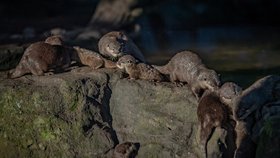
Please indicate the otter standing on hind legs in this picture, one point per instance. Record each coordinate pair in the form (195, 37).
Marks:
(187, 67)
(213, 112)
(139, 70)
(116, 44)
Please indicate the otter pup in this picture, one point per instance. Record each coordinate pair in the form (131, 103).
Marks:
(138, 70)
(116, 44)
(91, 58)
(42, 56)
(126, 150)
(187, 67)
(212, 112)
(258, 94)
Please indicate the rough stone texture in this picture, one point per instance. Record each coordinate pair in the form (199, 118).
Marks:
(269, 141)
(56, 116)
(162, 117)
(86, 114)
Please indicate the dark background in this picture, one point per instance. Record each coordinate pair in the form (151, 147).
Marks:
(239, 39)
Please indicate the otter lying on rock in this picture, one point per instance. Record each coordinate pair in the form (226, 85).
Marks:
(40, 57)
(139, 70)
(187, 67)
(116, 44)
(213, 111)
(91, 58)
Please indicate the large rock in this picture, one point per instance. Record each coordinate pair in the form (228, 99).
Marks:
(85, 114)
(57, 116)
(161, 117)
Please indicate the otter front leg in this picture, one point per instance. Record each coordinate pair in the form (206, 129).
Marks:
(96, 63)
(205, 133)
(37, 67)
(196, 91)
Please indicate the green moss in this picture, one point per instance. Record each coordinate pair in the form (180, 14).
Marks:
(72, 94)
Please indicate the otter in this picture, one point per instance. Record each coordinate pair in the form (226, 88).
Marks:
(55, 40)
(42, 56)
(116, 44)
(258, 94)
(91, 59)
(187, 67)
(126, 150)
(252, 99)
(212, 112)
(139, 70)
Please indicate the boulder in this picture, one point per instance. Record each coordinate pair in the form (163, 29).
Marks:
(86, 113)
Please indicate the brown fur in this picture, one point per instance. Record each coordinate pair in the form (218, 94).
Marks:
(126, 150)
(213, 113)
(187, 67)
(116, 44)
(54, 40)
(138, 70)
(92, 59)
(40, 57)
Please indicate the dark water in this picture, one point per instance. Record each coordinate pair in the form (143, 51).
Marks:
(240, 54)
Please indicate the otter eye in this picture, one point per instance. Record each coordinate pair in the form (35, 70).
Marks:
(205, 79)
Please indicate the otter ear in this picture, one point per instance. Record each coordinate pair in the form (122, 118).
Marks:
(123, 36)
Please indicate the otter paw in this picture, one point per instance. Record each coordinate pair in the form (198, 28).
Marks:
(49, 73)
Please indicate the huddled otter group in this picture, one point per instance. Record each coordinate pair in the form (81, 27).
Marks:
(225, 106)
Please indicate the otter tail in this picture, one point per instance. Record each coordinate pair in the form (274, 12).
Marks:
(162, 69)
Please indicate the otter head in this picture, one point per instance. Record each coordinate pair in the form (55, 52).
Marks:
(54, 40)
(126, 150)
(228, 92)
(126, 61)
(113, 44)
(114, 49)
(209, 79)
